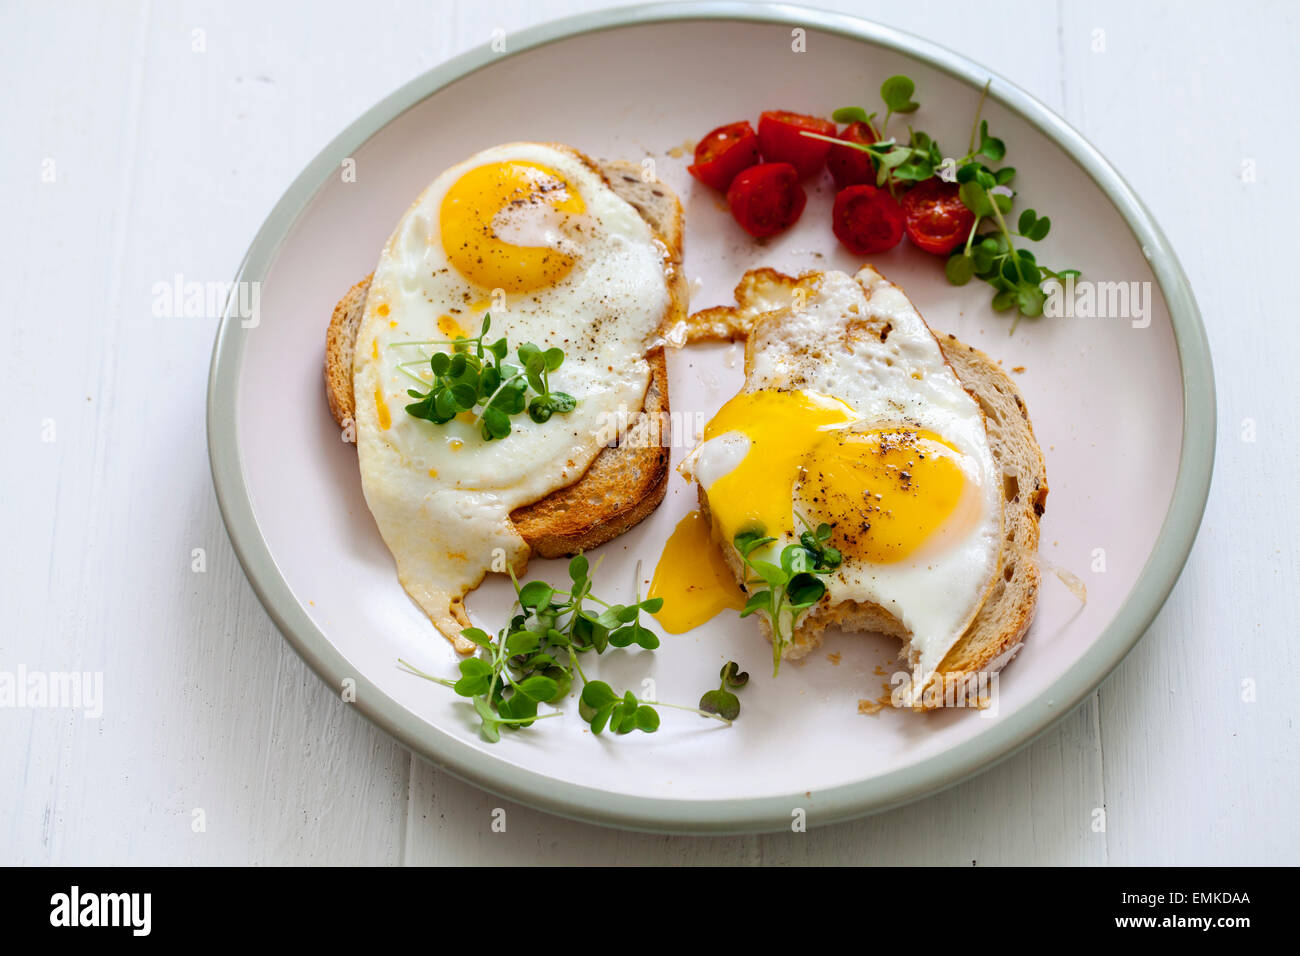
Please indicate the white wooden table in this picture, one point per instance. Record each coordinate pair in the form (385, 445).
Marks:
(148, 139)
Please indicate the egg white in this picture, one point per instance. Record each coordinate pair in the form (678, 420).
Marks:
(904, 380)
(440, 495)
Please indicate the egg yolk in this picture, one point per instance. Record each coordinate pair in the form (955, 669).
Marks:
(782, 428)
(521, 191)
(692, 578)
(886, 491)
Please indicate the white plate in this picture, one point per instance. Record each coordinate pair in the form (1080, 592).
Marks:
(1125, 416)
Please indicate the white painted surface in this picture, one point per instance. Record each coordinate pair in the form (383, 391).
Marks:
(166, 160)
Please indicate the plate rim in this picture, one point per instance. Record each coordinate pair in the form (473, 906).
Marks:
(728, 815)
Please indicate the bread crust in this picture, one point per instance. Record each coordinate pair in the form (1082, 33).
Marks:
(626, 481)
(999, 626)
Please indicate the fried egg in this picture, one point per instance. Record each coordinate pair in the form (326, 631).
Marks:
(850, 415)
(534, 235)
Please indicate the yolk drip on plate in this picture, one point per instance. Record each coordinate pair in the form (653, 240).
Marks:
(692, 578)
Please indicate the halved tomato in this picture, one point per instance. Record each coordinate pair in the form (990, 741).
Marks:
(866, 219)
(724, 153)
(766, 199)
(781, 140)
(936, 218)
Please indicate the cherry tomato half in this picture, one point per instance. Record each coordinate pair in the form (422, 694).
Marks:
(766, 199)
(723, 153)
(852, 166)
(780, 140)
(866, 219)
(937, 220)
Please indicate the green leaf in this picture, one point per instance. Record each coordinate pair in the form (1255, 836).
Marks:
(522, 642)
(444, 403)
(959, 268)
(561, 402)
(732, 675)
(760, 601)
(991, 146)
(796, 558)
(518, 706)
(578, 568)
(602, 716)
(476, 678)
(647, 719)
(746, 542)
(897, 93)
(1004, 300)
(597, 694)
(1005, 175)
(850, 114)
(535, 594)
(895, 157)
(533, 372)
(773, 574)
(976, 198)
(627, 715)
(537, 687)
(477, 635)
(1039, 232)
(491, 727)
(554, 359)
(539, 410)
(563, 682)
(805, 590)
(1029, 270)
(496, 424)
(528, 352)
(475, 667)
(721, 702)
(1030, 300)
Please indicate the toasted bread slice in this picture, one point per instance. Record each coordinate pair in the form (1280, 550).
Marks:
(626, 481)
(995, 633)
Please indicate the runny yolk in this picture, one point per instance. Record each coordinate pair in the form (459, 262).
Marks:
(521, 192)
(782, 428)
(887, 492)
(692, 578)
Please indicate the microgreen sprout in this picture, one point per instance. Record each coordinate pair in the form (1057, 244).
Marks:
(534, 660)
(990, 252)
(474, 377)
(793, 584)
(722, 701)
